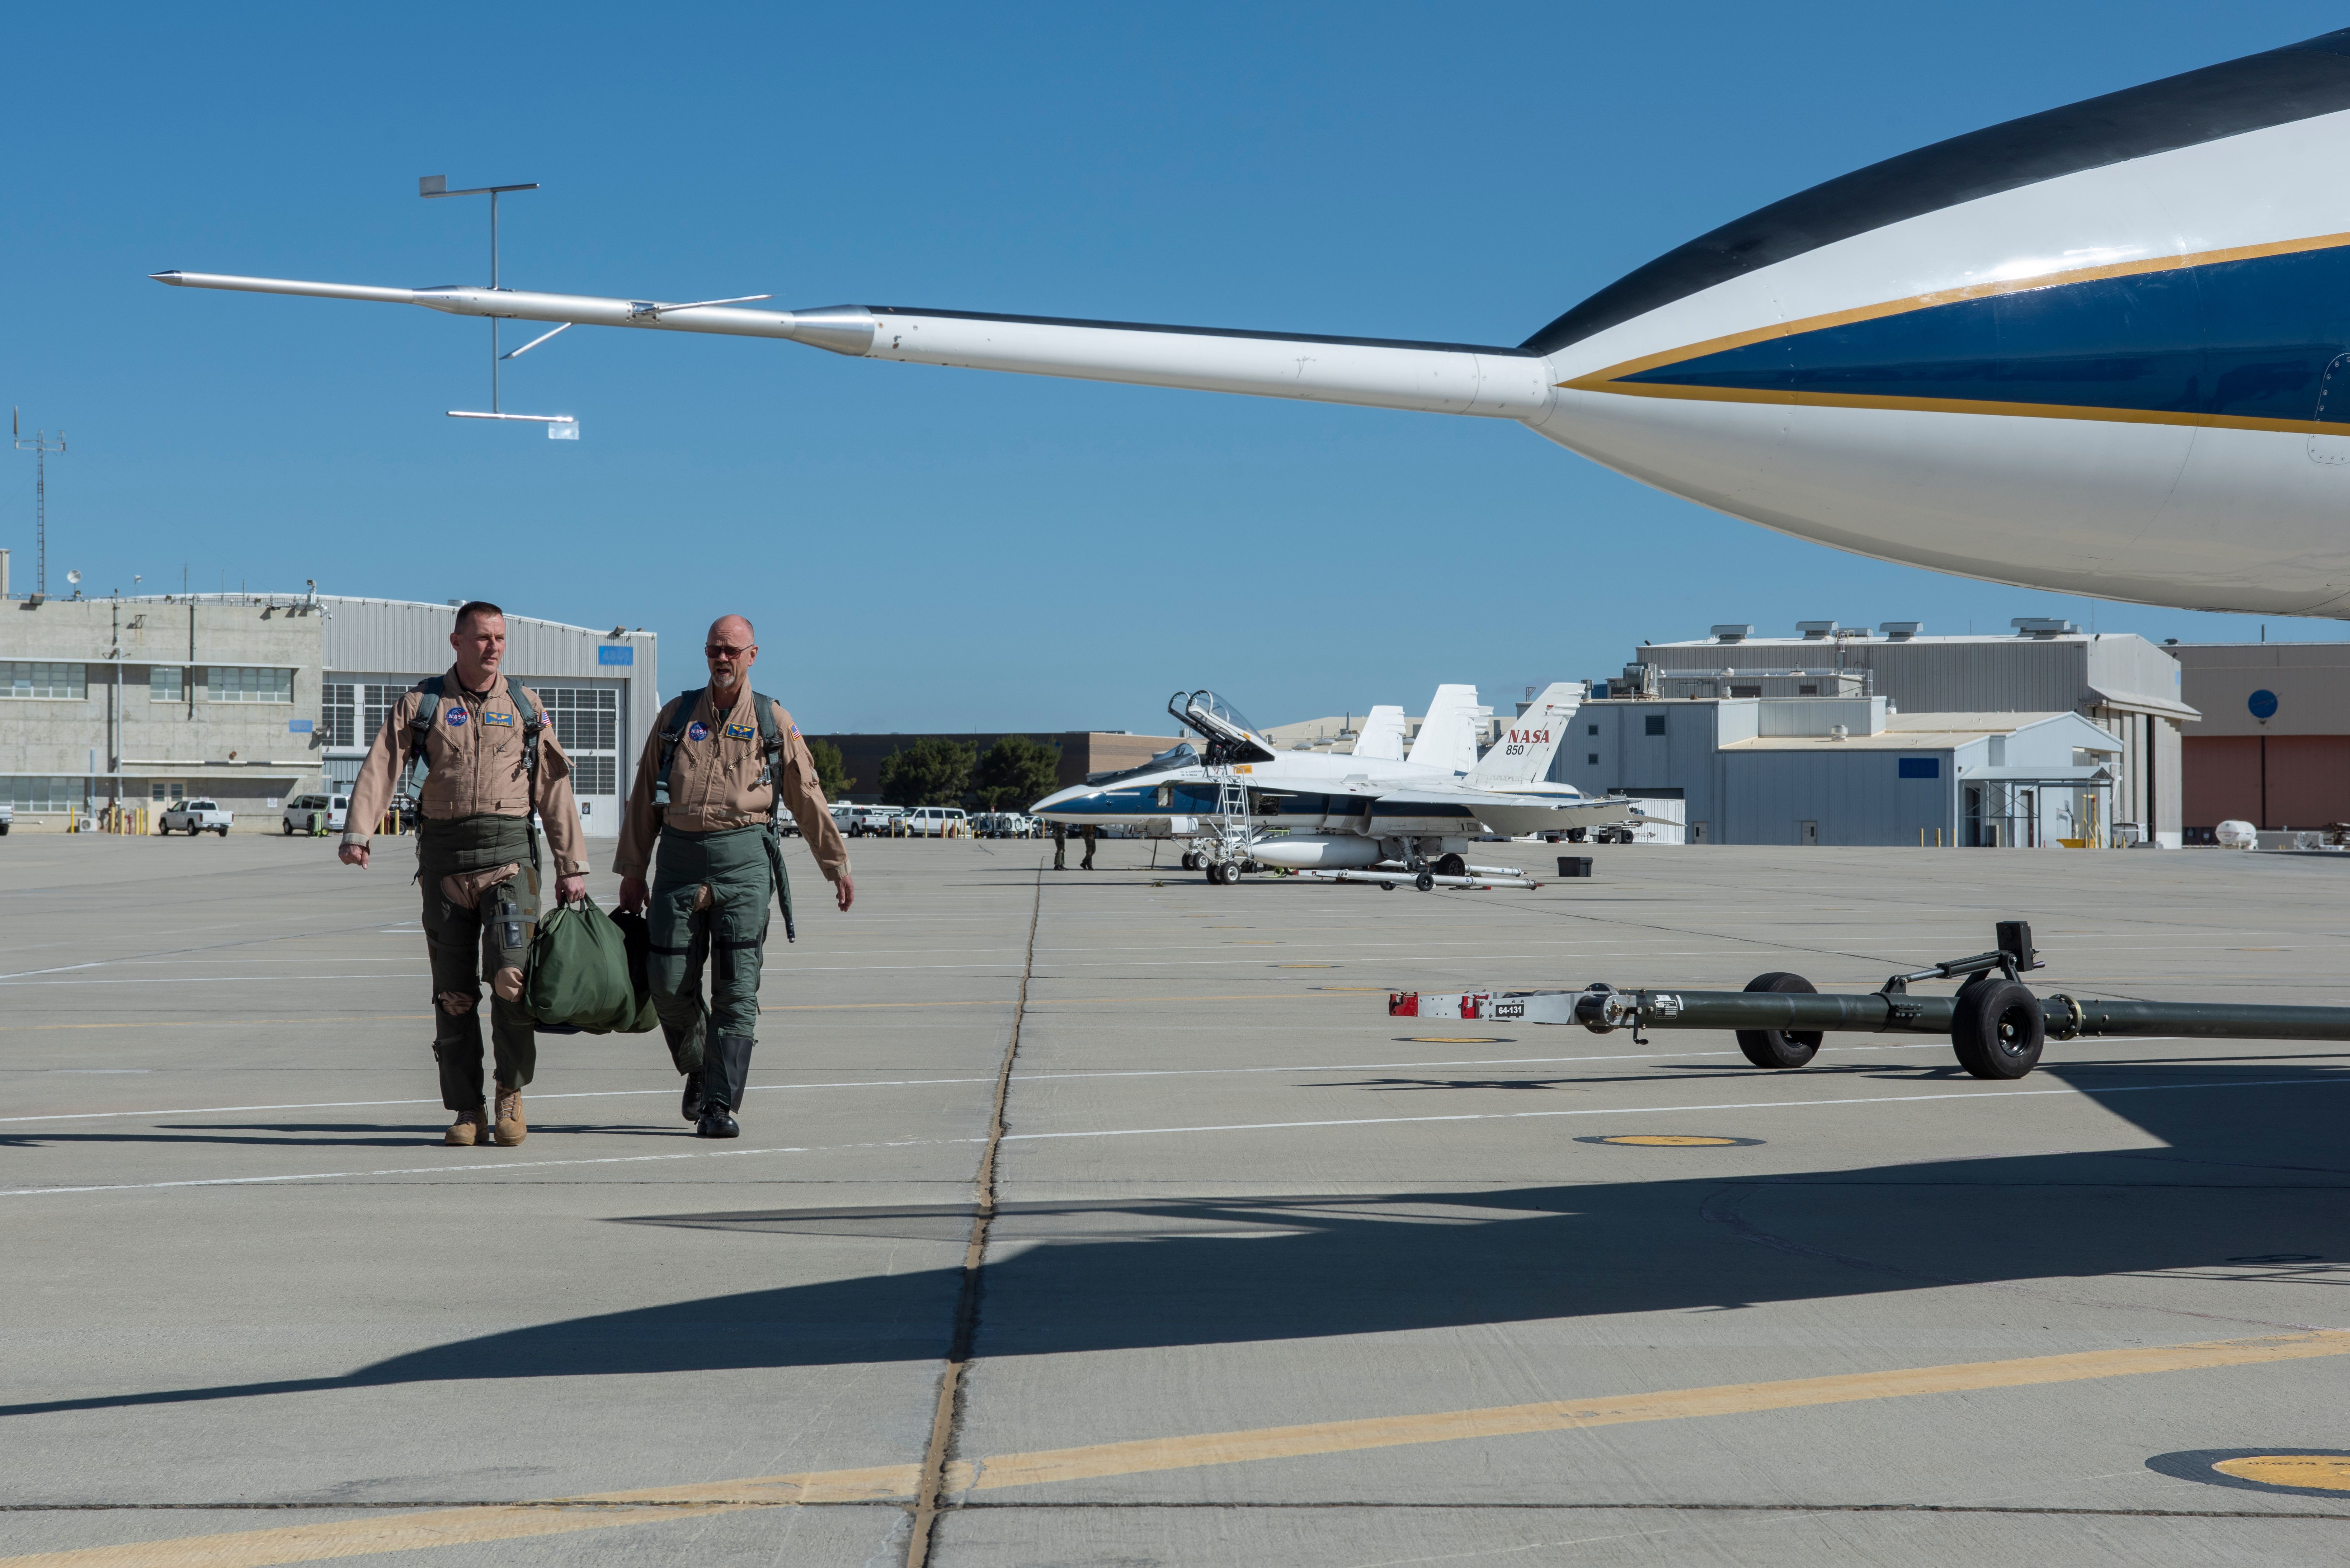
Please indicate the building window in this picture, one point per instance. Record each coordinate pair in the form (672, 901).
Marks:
(1592, 759)
(594, 776)
(41, 793)
(224, 684)
(1734, 691)
(1921, 767)
(67, 682)
(1591, 728)
(338, 713)
(166, 790)
(380, 702)
(586, 717)
(1654, 724)
(166, 683)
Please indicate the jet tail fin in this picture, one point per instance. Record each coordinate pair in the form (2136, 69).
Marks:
(1380, 739)
(1522, 753)
(1448, 736)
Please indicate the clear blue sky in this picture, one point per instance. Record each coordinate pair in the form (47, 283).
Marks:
(943, 549)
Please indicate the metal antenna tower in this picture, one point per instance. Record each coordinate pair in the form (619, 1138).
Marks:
(430, 186)
(40, 448)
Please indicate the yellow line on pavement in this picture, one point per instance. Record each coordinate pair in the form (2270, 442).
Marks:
(1569, 1414)
(896, 1483)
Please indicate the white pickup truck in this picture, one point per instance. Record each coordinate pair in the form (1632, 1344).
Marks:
(194, 816)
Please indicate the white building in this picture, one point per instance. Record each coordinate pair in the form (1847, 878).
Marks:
(1987, 687)
(251, 698)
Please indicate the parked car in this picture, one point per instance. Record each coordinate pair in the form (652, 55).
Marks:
(297, 818)
(194, 816)
(1005, 824)
(8, 816)
(873, 821)
(936, 821)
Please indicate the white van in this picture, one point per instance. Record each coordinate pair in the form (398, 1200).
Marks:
(937, 822)
(297, 818)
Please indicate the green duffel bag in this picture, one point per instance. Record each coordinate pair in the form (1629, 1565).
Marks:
(639, 936)
(578, 973)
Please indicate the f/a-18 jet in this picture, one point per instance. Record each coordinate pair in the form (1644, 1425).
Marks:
(1245, 805)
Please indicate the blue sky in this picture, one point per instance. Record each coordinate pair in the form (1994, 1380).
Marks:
(941, 549)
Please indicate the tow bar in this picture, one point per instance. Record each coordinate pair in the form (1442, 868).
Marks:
(1995, 1023)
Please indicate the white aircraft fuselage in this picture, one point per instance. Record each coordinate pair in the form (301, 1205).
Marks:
(2104, 350)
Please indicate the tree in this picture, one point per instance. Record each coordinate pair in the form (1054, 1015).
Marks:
(933, 770)
(831, 771)
(1015, 774)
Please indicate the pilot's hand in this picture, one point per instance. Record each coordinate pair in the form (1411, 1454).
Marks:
(570, 890)
(845, 891)
(634, 893)
(354, 855)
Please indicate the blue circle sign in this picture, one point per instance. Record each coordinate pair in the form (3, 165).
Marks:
(2262, 703)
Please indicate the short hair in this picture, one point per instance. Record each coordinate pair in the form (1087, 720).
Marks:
(471, 607)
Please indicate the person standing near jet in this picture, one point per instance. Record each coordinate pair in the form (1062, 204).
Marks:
(1060, 846)
(493, 763)
(717, 770)
(1087, 863)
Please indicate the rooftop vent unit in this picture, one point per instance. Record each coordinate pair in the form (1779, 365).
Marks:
(1902, 631)
(2043, 625)
(1727, 633)
(1816, 630)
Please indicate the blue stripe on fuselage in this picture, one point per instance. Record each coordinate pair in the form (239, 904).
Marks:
(2246, 339)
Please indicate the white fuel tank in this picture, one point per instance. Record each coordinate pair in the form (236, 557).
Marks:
(1315, 854)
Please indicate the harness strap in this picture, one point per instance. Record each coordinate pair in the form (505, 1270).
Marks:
(431, 690)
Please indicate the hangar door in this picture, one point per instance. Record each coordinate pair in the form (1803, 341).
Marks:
(587, 721)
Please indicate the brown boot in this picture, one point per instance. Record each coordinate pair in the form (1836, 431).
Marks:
(468, 1129)
(511, 1129)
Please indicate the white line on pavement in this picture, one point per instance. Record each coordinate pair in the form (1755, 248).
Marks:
(919, 1083)
(1985, 1094)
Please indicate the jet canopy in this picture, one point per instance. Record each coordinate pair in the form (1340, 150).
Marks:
(1231, 737)
(1178, 755)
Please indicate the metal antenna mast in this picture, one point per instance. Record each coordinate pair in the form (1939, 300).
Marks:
(40, 448)
(430, 186)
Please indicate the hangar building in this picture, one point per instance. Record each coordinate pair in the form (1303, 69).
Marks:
(2274, 749)
(1841, 736)
(251, 698)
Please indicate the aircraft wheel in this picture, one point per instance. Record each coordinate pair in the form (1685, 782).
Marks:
(1997, 1029)
(1451, 866)
(1779, 1047)
(1190, 862)
(1425, 882)
(1387, 887)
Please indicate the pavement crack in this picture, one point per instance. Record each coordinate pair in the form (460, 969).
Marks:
(943, 1421)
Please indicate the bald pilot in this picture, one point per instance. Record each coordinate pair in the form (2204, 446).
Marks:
(719, 768)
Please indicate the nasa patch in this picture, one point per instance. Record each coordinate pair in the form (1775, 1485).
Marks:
(697, 731)
(456, 718)
(740, 731)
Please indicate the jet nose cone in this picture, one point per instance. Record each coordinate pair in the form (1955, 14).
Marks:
(1059, 798)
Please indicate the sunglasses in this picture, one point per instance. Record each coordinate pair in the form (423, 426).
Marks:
(720, 650)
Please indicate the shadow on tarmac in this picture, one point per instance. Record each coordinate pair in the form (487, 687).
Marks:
(2249, 1188)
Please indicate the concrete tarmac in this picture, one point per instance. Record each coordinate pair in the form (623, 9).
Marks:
(1269, 1277)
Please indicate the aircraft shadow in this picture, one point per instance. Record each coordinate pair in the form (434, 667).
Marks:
(2251, 1170)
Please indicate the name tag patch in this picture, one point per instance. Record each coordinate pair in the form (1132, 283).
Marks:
(456, 718)
(697, 731)
(503, 721)
(742, 732)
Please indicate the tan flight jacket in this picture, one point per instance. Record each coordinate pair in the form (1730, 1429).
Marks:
(477, 769)
(719, 779)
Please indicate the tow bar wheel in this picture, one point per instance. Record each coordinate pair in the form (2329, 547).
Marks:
(1998, 1029)
(1779, 1047)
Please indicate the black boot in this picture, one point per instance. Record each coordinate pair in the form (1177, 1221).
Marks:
(725, 1075)
(692, 1105)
